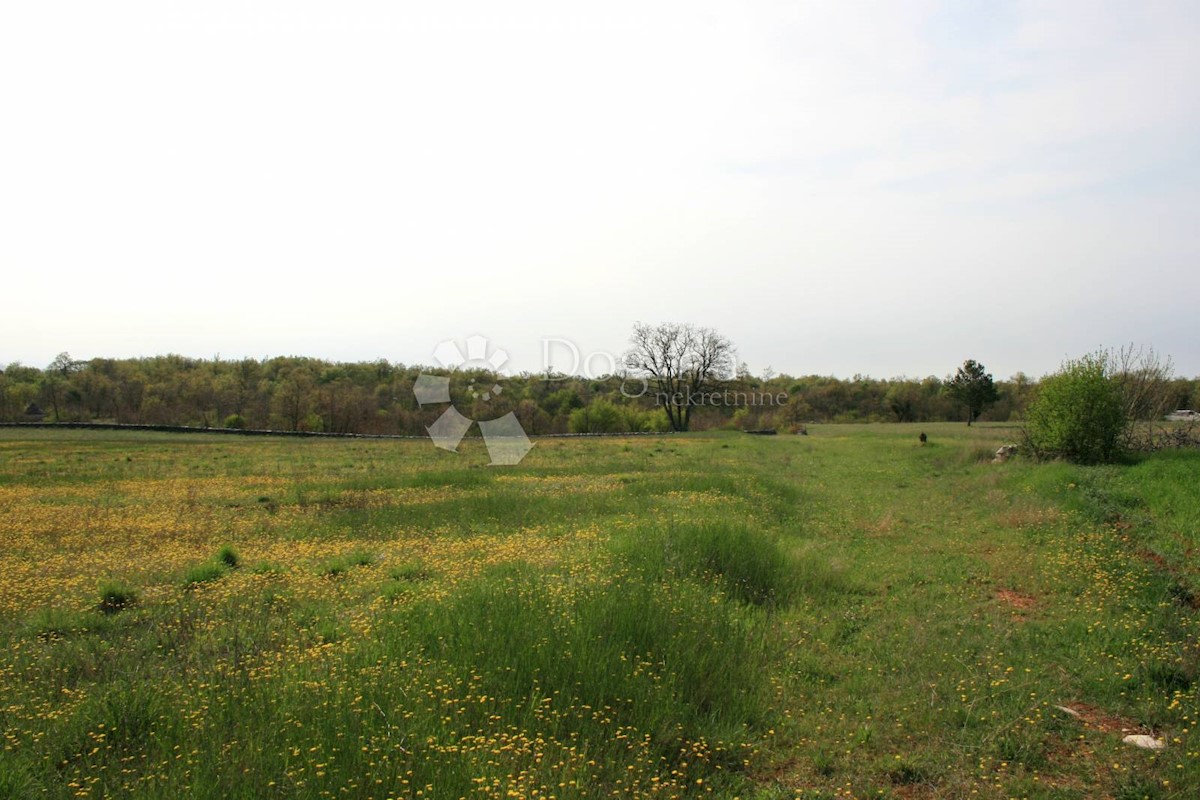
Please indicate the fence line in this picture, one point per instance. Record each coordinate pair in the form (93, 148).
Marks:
(121, 426)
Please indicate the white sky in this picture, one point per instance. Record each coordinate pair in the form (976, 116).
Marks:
(838, 187)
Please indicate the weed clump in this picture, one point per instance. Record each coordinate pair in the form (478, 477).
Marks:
(339, 566)
(228, 556)
(225, 560)
(203, 573)
(116, 596)
(411, 573)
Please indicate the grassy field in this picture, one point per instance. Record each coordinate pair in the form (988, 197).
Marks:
(845, 614)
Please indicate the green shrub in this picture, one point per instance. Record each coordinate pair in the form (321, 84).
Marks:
(1078, 414)
(637, 420)
(116, 596)
(658, 421)
(599, 416)
(235, 422)
(634, 419)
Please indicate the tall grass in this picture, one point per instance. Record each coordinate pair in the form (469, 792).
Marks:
(750, 564)
(674, 674)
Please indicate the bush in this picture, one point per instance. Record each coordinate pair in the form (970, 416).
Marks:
(657, 421)
(235, 422)
(1078, 414)
(600, 416)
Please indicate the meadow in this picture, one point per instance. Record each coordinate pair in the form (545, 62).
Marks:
(843, 614)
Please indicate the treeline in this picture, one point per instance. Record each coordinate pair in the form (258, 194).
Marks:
(298, 394)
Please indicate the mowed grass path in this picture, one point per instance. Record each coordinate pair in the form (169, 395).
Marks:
(846, 614)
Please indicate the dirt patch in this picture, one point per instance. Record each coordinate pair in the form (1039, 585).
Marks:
(1156, 560)
(1016, 600)
(1099, 719)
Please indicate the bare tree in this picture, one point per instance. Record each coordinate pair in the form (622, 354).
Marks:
(682, 362)
(1144, 379)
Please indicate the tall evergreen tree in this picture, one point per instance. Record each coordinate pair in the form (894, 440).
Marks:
(973, 387)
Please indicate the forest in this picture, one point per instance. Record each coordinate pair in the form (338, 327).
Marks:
(309, 394)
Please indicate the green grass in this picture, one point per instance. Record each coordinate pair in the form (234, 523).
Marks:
(340, 565)
(114, 596)
(229, 557)
(847, 613)
(203, 573)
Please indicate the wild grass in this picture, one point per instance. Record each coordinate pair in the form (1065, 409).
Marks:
(203, 573)
(751, 565)
(342, 564)
(229, 557)
(845, 614)
(116, 596)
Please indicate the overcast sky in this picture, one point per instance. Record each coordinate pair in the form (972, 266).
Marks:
(838, 187)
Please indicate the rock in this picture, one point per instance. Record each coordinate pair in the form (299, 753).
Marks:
(1145, 742)
(1005, 453)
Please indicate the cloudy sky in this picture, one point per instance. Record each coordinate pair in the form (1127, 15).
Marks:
(840, 188)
